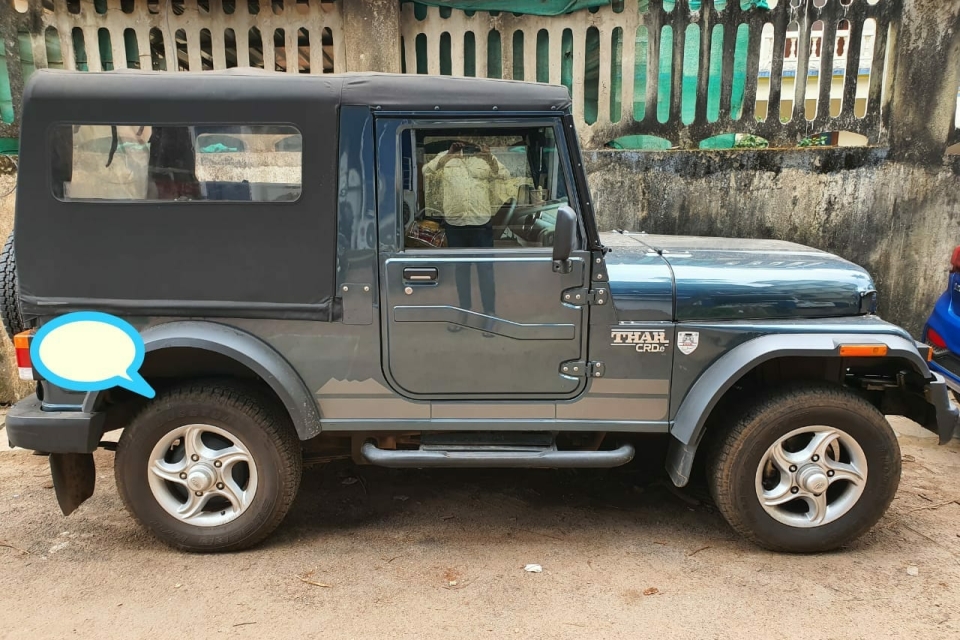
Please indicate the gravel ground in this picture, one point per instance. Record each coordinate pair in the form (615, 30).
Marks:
(370, 552)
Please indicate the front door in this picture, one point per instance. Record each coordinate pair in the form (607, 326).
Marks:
(472, 306)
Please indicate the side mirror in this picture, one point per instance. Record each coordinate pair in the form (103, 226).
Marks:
(564, 239)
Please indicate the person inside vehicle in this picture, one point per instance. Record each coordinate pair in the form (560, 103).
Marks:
(470, 178)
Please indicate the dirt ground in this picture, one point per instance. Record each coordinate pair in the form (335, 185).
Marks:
(375, 553)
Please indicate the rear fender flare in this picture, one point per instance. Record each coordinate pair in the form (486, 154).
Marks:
(246, 349)
(688, 425)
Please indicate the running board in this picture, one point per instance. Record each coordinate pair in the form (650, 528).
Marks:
(540, 459)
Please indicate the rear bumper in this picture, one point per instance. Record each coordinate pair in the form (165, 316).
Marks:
(948, 365)
(947, 416)
(30, 427)
(945, 321)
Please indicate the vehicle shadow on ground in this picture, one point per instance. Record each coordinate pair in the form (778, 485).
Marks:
(490, 505)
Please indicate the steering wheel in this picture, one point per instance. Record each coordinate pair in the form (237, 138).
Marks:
(429, 212)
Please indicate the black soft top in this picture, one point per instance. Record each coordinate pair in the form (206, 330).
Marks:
(259, 259)
(391, 92)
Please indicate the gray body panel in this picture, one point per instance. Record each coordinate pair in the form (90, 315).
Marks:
(641, 281)
(438, 347)
(735, 278)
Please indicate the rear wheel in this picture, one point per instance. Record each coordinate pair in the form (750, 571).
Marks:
(209, 466)
(806, 469)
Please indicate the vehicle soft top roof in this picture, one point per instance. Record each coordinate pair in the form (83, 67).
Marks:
(389, 92)
(209, 257)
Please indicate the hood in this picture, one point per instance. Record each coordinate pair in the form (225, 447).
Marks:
(735, 279)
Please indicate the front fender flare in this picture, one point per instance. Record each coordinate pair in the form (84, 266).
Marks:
(246, 349)
(688, 425)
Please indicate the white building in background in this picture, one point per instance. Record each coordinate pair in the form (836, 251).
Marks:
(844, 46)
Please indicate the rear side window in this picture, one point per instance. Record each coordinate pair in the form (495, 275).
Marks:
(236, 163)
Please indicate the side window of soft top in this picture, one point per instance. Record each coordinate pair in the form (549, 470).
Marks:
(481, 187)
(176, 163)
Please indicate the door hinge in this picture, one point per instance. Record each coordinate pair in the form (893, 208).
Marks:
(581, 369)
(580, 297)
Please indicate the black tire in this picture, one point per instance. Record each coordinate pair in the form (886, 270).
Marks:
(264, 429)
(10, 291)
(733, 465)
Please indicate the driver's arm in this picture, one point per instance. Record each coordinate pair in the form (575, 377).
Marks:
(499, 170)
(499, 180)
(436, 164)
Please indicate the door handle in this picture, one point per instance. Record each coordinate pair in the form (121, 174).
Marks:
(421, 274)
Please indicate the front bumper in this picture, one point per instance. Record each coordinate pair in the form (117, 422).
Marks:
(30, 427)
(947, 415)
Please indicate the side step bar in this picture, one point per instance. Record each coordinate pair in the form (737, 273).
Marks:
(543, 459)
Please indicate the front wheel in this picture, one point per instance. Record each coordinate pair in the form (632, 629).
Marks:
(209, 466)
(806, 469)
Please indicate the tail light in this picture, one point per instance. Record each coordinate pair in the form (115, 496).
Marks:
(955, 261)
(21, 343)
(937, 345)
(935, 340)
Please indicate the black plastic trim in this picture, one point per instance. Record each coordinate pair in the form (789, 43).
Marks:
(246, 349)
(326, 311)
(30, 427)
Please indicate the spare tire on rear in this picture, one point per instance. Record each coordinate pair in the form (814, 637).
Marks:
(10, 291)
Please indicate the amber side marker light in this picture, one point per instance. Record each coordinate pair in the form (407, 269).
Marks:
(21, 343)
(863, 350)
(929, 354)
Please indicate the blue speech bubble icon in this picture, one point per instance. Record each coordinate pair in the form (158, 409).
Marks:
(90, 351)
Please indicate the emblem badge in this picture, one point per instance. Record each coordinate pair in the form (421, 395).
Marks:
(687, 341)
(642, 341)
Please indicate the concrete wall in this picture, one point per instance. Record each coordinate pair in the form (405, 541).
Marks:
(628, 67)
(901, 221)
(894, 209)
